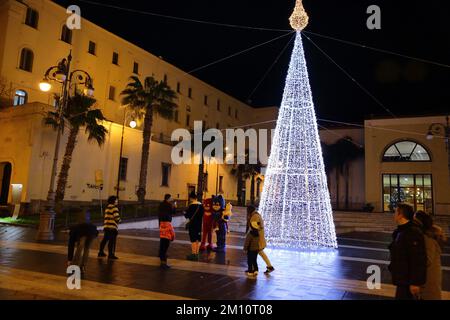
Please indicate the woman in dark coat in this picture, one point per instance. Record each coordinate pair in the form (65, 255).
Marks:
(194, 214)
(434, 239)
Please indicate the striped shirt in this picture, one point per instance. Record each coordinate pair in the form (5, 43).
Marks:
(111, 218)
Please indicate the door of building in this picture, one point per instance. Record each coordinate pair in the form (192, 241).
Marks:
(413, 189)
(5, 179)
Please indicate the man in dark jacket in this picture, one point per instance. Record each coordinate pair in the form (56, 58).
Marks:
(81, 235)
(408, 265)
(167, 209)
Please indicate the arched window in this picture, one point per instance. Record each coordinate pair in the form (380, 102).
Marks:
(26, 59)
(66, 34)
(406, 151)
(20, 97)
(32, 18)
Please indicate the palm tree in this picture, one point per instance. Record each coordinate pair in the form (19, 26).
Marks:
(237, 171)
(201, 166)
(80, 112)
(327, 160)
(151, 97)
(243, 172)
(250, 172)
(343, 152)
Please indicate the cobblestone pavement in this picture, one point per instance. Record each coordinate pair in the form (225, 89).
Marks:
(32, 270)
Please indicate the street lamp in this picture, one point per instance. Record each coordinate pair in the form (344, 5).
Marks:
(132, 124)
(439, 129)
(61, 74)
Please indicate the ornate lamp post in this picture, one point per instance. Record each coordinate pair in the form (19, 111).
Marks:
(60, 73)
(442, 129)
(132, 125)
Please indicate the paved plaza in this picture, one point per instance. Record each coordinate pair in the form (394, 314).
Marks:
(32, 270)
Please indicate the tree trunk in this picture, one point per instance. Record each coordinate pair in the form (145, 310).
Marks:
(64, 172)
(337, 188)
(200, 180)
(252, 190)
(145, 155)
(347, 176)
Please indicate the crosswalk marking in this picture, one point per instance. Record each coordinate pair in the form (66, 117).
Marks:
(54, 287)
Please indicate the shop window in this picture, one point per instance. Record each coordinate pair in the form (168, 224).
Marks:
(413, 189)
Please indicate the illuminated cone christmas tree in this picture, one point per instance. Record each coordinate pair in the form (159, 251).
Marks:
(295, 202)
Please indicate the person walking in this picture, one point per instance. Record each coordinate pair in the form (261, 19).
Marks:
(81, 236)
(434, 240)
(110, 229)
(254, 216)
(166, 231)
(408, 265)
(251, 247)
(194, 214)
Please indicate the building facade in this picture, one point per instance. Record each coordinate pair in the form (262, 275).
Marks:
(402, 164)
(34, 37)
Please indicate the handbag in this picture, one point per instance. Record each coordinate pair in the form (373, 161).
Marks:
(189, 220)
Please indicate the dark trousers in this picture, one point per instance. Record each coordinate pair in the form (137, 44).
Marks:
(110, 236)
(221, 235)
(163, 247)
(252, 260)
(403, 293)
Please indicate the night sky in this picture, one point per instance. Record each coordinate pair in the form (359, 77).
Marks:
(406, 87)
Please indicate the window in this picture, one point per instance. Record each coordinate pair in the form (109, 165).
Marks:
(221, 184)
(188, 108)
(20, 98)
(229, 111)
(178, 87)
(217, 125)
(115, 58)
(112, 93)
(123, 168)
(55, 100)
(205, 100)
(188, 120)
(406, 151)
(92, 48)
(413, 189)
(190, 93)
(165, 78)
(218, 104)
(136, 68)
(26, 60)
(32, 18)
(165, 173)
(236, 114)
(66, 34)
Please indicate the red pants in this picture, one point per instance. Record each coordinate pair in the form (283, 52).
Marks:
(207, 230)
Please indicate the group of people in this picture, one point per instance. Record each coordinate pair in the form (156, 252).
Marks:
(205, 218)
(416, 255)
(415, 249)
(84, 232)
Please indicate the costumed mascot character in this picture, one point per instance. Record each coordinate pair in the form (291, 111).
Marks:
(220, 225)
(207, 225)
